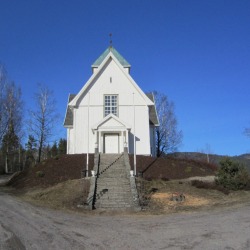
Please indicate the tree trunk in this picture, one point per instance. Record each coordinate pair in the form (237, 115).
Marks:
(158, 153)
(6, 164)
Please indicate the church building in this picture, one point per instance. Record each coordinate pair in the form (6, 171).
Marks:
(111, 114)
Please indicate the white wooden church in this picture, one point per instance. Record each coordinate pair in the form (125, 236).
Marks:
(111, 114)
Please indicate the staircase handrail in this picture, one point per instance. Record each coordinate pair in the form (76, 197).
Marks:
(97, 175)
(105, 169)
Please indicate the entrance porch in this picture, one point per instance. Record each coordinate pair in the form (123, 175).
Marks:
(111, 135)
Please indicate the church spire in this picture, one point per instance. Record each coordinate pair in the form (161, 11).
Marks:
(110, 40)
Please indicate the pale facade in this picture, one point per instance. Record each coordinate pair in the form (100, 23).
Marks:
(109, 110)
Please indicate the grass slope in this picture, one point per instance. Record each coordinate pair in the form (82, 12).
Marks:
(69, 167)
(66, 167)
(61, 187)
(213, 158)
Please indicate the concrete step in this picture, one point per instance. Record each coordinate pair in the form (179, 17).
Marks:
(118, 195)
(113, 202)
(113, 188)
(113, 183)
(113, 191)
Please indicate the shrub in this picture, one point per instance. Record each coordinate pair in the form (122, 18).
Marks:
(209, 185)
(40, 174)
(232, 175)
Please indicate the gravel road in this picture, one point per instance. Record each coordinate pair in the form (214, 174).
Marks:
(23, 226)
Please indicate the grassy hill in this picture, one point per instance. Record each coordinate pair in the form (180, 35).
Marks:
(57, 183)
(213, 158)
(69, 167)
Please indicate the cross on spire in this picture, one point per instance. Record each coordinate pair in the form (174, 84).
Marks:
(110, 40)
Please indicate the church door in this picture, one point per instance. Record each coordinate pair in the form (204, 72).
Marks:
(111, 143)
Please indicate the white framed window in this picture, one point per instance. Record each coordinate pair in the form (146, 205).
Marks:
(110, 105)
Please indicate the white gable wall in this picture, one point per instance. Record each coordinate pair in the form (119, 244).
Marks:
(111, 80)
(119, 84)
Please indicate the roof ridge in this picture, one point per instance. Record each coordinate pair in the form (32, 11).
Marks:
(118, 56)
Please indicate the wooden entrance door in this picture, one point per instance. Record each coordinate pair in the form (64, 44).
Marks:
(111, 143)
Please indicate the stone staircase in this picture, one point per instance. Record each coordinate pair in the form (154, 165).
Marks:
(113, 189)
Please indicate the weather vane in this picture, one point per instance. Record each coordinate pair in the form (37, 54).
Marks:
(110, 41)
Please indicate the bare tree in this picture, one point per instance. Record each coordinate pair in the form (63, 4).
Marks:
(11, 140)
(11, 113)
(42, 118)
(14, 107)
(3, 114)
(168, 137)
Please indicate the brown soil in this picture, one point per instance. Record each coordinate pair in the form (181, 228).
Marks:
(169, 168)
(195, 199)
(60, 185)
(68, 167)
(54, 171)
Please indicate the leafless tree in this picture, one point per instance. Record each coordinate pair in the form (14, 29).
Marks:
(42, 117)
(11, 113)
(168, 137)
(14, 109)
(3, 114)
(14, 106)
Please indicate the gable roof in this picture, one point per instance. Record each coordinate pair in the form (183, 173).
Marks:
(118, 56)
(153, 117)
(68, 121)
(87, 86)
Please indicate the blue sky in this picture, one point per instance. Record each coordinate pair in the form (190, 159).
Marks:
(196, 52)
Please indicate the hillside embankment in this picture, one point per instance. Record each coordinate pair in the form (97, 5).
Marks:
(57, 183)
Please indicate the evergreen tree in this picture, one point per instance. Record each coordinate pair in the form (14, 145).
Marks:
(31, 150)
(10, 146)
(232, 175)
(54, 150)
(62, 146)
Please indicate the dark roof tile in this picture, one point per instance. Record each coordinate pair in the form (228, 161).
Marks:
(153, 118)
(69, 114)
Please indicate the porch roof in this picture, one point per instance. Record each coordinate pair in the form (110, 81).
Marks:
(111, 122)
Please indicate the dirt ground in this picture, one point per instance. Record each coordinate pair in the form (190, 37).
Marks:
(203, 220)
(24, 226)
(70, 195)
(194, 199)
(61, 187)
